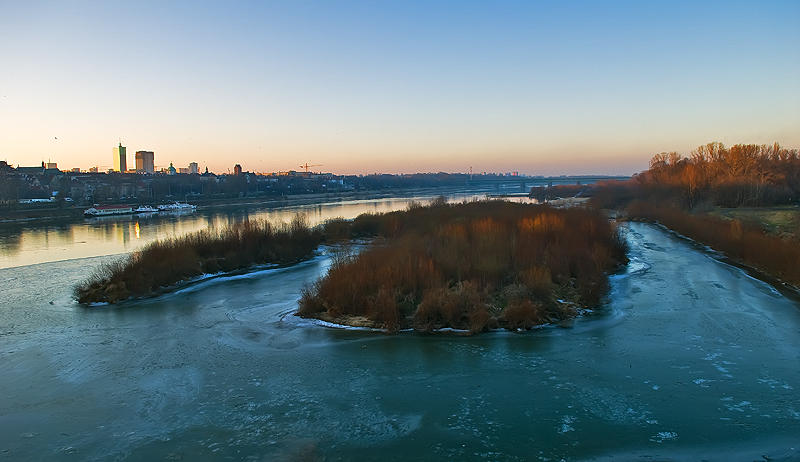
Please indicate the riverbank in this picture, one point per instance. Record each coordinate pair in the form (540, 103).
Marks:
(745, 243)
(741, 201)
(43, 214)
(470, 267)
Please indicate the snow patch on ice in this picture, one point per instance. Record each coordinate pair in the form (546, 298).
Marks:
(660, 437)
(334, 325)
(740, 407)
(450, 329)
(773, 383)
(720, 368)
(566, 426)
(702, 382)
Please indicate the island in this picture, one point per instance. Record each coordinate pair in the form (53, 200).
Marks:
(165, 264)
(471, 267)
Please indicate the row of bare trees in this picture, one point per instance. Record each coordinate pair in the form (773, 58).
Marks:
(743, 174)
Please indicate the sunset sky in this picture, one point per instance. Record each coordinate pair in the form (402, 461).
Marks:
(379, 86)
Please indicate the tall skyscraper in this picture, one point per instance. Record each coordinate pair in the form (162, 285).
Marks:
(120, 160)
(144, 162)
(237, 169)
(193, 168)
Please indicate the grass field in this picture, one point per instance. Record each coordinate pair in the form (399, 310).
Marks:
(783, 221)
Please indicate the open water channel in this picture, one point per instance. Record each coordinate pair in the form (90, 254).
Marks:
(689, 358)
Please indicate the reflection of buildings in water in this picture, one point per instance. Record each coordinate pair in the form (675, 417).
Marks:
(15, 239)
(173, 227)
(60, 234)
(10, 244)
(109, 230)
(125, 234)
(115, 234)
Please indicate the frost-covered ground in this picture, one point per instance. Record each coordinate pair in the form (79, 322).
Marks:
(690, 358)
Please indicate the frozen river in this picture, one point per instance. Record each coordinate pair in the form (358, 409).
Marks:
(689, 358)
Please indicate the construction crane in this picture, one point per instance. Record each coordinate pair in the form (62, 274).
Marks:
(306, 166)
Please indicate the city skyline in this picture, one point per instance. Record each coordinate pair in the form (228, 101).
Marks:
(356, 88)
(144, 162)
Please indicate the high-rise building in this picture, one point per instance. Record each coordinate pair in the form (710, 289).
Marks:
(120, 159)
(237, 169)
(144, 162)
(193, 168)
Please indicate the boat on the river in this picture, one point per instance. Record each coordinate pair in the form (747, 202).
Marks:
(105, 210)
(176, 206)
(146, 209)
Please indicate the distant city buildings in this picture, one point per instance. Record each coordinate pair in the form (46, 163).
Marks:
(193, 168)
(183, 171)
(31, 185)
(145, 162)
(120, 159)
(51, 165)
(237, 169)
(31, 170)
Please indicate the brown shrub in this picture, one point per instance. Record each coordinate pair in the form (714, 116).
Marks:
(428, 315)
(538, 280)
(478, 319)
(521, 314)
(383, 308)
(309, 304)
(337, 229)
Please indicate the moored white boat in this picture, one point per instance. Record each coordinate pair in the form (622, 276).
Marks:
(104, 210)
(176, 206)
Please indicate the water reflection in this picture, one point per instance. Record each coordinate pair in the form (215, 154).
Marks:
(32, 243)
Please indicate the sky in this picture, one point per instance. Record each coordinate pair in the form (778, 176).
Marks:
(543, 88)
